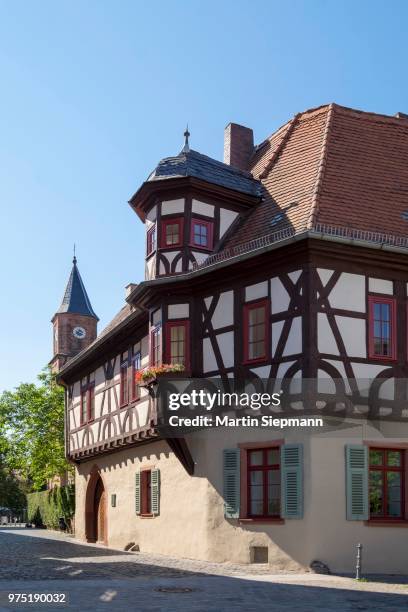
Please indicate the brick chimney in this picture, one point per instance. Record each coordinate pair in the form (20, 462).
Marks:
(238, 145)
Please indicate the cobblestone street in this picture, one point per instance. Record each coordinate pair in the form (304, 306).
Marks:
(96, 578)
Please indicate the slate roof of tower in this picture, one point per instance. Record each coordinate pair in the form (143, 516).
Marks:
(332, 166)
(195, 164)
(75, 298)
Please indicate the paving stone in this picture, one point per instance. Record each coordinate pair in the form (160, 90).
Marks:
(97, 578)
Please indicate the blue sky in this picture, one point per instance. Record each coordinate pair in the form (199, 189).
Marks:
(95, 93)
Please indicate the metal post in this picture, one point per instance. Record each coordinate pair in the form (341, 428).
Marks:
(358, 562)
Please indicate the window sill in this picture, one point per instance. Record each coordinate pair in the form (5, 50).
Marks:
(276, 521)
(146, 516)
(386, 522)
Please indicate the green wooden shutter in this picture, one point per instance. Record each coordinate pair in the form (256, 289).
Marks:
(231, 482)
(292, 481)
(137, 492)
(357, 482)
(155, 490)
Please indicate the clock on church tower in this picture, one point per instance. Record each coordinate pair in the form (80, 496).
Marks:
(75, 322)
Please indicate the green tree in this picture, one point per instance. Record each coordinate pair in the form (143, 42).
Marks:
(32, 430)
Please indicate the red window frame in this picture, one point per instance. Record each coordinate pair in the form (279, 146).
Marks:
(151, 240)
(384, 468)
(91, 402)
(210, 234)
(146, 492)
(264, 303)
(372, 301)
(136, 366)
(264, 468)
(169, 326)
(124, 383)
(87, 397)
(172, 221)
(84, 398)
(155, 346)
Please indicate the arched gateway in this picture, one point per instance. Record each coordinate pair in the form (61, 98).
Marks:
(95, 509)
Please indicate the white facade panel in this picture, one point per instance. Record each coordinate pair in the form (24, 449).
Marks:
(227, 217)
(294, 341)
(379, 285)
(254, 292)
(202, 208)
(169, 207)
(178, 311)
(353, 333)
(326, 341)
(349, 293)
(279, 296)
(224, 311)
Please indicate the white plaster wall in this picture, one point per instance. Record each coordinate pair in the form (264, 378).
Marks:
(199, 256)
(279, 296)
(294, 342)
(151, 217)
(253, 292)
(202, 208)
(326, 341)
(227, 217)
(209, 361)
(178, 311)
(349, 293)
(224, 311)
(170, 207)
(226, 346)
(379, 285)
(276, 333)
(353, 333)
(150, 267)
(324, 275)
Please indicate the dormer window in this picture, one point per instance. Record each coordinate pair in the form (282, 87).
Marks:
(151, 241)
(172, 233)
(202, 234)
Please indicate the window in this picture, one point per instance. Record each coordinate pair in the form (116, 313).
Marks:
(264, 490)
(177, 342)
(84, 405)
(155, 346)
(172, 233)
(202, 234)
(382, 337)
(146, 491)
(256, 331)
(124, 383)
(87, 403)
(91, 401)
(386, 483)
(136, 366)
(151, 240)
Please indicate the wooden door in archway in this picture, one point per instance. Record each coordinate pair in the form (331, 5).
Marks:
(100, 512)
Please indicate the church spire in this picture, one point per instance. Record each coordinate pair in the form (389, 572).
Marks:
(75, 298)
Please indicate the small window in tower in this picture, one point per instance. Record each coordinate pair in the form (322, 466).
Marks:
(124, 383)
(172, 233)
(202, 234)
(155, 346)
(177, 343)
(151, 241)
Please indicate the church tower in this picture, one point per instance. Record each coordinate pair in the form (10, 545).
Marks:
(75, 323)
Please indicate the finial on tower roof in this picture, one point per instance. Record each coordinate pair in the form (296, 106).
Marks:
(75, 259)
(186, 147)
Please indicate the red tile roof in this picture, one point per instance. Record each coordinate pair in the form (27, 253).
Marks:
(332, 165)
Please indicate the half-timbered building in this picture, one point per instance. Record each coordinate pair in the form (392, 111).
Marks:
(288, 261)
